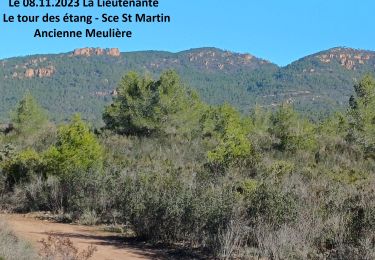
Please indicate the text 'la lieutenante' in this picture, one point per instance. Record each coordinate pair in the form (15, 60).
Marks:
(121, 3)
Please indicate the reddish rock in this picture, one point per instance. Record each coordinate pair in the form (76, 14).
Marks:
(45, 72)
(99, 51)
(82, 52)
(29, 73)
(115, 52)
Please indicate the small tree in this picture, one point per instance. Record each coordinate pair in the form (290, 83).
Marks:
(28, 116)
(233, 147)
(362, 115)
(292, 132)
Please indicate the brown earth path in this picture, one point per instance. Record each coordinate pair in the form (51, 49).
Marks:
(110, 246)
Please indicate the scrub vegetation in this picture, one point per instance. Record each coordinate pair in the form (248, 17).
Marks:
(176, 170)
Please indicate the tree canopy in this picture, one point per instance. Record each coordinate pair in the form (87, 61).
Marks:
(145, 107)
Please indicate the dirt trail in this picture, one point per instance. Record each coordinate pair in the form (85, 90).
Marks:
(110, 246)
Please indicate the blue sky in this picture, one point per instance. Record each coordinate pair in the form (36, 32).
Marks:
(279, 31)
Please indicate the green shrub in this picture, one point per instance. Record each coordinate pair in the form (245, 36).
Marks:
(272, 206)
(76, 150)
(22, 167)
(89, 218)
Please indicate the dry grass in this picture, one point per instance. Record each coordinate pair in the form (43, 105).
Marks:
(59, 248)
(13, 248)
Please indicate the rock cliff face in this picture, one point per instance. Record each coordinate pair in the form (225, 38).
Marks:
(348, 58)
(114, 52)
(40, 72)
(29, 73)
(38, 67)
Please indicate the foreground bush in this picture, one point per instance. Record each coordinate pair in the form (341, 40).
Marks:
(56, 248)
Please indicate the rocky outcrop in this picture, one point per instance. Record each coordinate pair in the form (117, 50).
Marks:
(82, 52)
(30, 73)
(113, 52)
(87, 52)
(45, 72)
(40, 72)
(348, 58)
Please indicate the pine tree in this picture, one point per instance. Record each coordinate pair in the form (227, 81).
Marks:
(292, 132)
(147, 107)
(29, 116)
(362, 115)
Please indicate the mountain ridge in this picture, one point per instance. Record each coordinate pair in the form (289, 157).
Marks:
(81, 81)
(346, 48)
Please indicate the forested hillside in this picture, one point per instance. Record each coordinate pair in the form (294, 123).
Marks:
(84, 81)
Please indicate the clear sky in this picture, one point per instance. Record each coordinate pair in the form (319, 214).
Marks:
(277, 30)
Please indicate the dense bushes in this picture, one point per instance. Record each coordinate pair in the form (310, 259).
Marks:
(268, 185)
